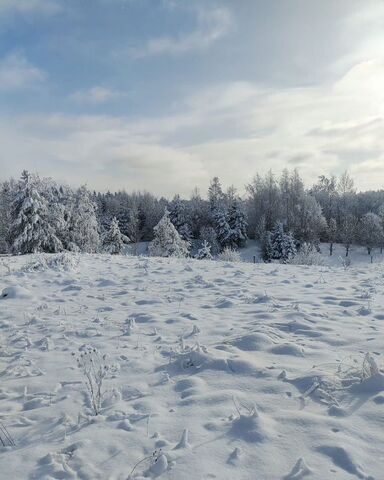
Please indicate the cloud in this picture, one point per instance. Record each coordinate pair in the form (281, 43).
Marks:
(95, 95)
(102, 151)
(211, 25)
(17, 73)
(231, 129)
(29, 6)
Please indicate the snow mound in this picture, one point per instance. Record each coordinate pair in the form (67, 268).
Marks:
(252, 342)
(15, 291)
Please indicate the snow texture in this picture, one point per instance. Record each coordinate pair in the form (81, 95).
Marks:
(215, 370)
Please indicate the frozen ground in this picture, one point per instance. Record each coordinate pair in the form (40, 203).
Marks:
(236, 371)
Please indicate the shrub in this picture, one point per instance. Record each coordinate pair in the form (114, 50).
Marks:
(229, 255)
(59, 261)
(307, 256)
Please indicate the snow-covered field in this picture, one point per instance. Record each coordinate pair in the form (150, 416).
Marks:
(234, 371)
(358, 255)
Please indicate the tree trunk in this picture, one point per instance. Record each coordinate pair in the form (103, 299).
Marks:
(330, 249)
(347, 250)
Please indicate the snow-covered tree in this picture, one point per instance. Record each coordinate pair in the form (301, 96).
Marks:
(59, 201)
(282, 245)
(346, 197)
(222, 227)
(381, 215)
(7, 192)
(310, 222)
(199, 213)
(348, 232)
(370, 231)
(30, 229)
(332, 234)
(237, 224)
(204, 252)
(177, 211)
(167, 241)
(215, 194)
(264, 200)
(292, 197)
(325, 192)
(113, 240)
(178, 214)
(185, 232)
(307, 255)
(134, 231)
(84, 233)
(266, 247)
(208, 234)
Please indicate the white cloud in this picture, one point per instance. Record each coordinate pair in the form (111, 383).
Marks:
(29, 6)
(212, 25)
(102, 151)
(232, 130)
(95, 95)
(17, 73)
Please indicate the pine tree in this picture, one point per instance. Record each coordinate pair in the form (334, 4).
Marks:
(176, 210)
(266, 247)
(237, 224)
(84, 234)
(113, 239)
(277, 240)
(134, 232)
(167, 241)
(204, 253)
(282, 245)
(7, 190)
(222, 228)
(185, 232)
(58, 214)
(179, 217)
(30, 230)
(215, 194)
(289, 247)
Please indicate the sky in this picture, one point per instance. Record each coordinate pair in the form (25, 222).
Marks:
(162, 95)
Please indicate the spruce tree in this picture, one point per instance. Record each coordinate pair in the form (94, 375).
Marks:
(289, 249)
(266, 247)
(167, 241)
(113, 239)
(179, 217)
(222, 228)
(31, 230)
(237, 224)
(215, 194)
(282, 245)
(84, 234)
(6, 197)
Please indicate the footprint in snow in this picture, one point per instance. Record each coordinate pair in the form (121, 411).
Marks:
(299, 471)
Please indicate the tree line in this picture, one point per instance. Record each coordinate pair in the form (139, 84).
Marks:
(39, 215)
